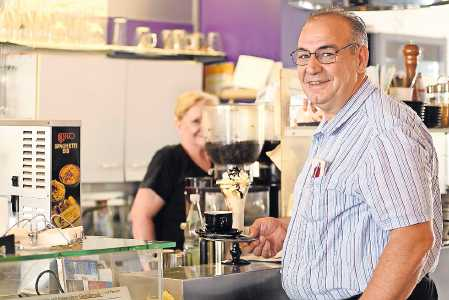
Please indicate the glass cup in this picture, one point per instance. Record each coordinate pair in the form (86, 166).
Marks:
(214, 42)
(119, 35)
(167, 39)
(96, 31)
(179, 39)
(144, 38)
(195, 41)
(140, 30)
(147, 40)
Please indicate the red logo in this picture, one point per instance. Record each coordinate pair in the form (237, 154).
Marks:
(64, 136)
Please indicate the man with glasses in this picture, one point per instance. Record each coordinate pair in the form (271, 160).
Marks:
(367, 221)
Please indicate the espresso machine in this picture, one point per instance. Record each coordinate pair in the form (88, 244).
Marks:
(234, 135)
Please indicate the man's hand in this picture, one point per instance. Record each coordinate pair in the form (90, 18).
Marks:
(270, 233)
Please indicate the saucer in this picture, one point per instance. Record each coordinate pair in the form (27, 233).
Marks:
(230, 234)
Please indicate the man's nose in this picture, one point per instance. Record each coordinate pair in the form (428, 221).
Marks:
(313, 66)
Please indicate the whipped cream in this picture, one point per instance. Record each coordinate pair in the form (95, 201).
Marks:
(234, 185)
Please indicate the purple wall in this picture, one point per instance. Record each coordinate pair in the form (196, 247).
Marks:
(250, 27)
(291, 23)
(265, 28)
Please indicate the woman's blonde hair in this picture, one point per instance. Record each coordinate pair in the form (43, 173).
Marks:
(188, 99)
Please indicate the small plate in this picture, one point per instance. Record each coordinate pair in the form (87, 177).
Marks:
(230, 234)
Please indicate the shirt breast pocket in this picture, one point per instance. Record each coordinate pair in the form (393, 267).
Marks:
(318, 200)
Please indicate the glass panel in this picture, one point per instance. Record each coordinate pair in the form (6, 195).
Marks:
(140, 272)
(89, 246)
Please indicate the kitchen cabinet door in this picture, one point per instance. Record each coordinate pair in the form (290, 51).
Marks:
(440, 141)
(90, 88)
(151, 93)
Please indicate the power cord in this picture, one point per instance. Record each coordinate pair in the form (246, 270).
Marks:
(36, 285)
(27, 220)
(47, 223)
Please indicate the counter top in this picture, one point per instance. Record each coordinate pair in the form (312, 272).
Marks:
(212, 270)
(257, 280)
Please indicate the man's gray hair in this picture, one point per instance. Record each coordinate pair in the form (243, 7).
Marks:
(358, 27)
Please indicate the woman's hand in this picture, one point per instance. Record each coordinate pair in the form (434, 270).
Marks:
(270, 233)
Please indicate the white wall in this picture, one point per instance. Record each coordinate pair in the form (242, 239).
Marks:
(427, 22)
(179, 11)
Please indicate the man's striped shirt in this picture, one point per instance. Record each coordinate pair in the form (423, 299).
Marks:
(381, 173)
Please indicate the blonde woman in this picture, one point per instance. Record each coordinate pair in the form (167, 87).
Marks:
(159, 206)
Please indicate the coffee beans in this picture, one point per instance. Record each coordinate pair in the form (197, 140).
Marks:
(237, 153)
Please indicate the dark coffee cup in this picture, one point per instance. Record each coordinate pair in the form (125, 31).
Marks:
(219, 221)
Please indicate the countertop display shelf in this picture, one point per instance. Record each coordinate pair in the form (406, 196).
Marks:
(89, 246)
(124, 51)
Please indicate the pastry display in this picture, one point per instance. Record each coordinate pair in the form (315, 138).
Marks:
(67, 213)
(57, 191)
(69, 174)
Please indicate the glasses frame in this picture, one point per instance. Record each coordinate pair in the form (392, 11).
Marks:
(337, 51)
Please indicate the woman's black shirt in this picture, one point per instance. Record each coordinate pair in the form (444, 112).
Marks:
(165, 175)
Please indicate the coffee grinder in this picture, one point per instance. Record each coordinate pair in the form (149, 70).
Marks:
(234, 135)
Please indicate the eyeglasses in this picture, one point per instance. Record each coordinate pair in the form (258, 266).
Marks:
(327, 55)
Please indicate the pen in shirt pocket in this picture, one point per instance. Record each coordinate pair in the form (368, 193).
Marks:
(318, 168)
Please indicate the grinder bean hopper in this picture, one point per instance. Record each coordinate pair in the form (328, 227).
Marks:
(234, 135)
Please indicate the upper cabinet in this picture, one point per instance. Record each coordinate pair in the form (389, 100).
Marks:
(90, 88)
(125, 106)
(152, 89)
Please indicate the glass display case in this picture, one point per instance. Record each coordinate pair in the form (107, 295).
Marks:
(86, 269)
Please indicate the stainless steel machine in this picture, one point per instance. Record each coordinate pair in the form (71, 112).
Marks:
(40, 172)
(216, 281)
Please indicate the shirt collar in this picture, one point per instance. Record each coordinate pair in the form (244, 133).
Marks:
(351, 106)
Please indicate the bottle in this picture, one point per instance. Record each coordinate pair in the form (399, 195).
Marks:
(411, 53)
(419, 90)
(430, 98)
(444, 102)
(194, 222)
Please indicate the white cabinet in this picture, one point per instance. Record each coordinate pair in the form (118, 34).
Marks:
(89, 88)
(440, 141)
(151, 97)
(125, 105)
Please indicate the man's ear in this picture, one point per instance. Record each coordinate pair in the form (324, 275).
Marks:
(363, 57)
